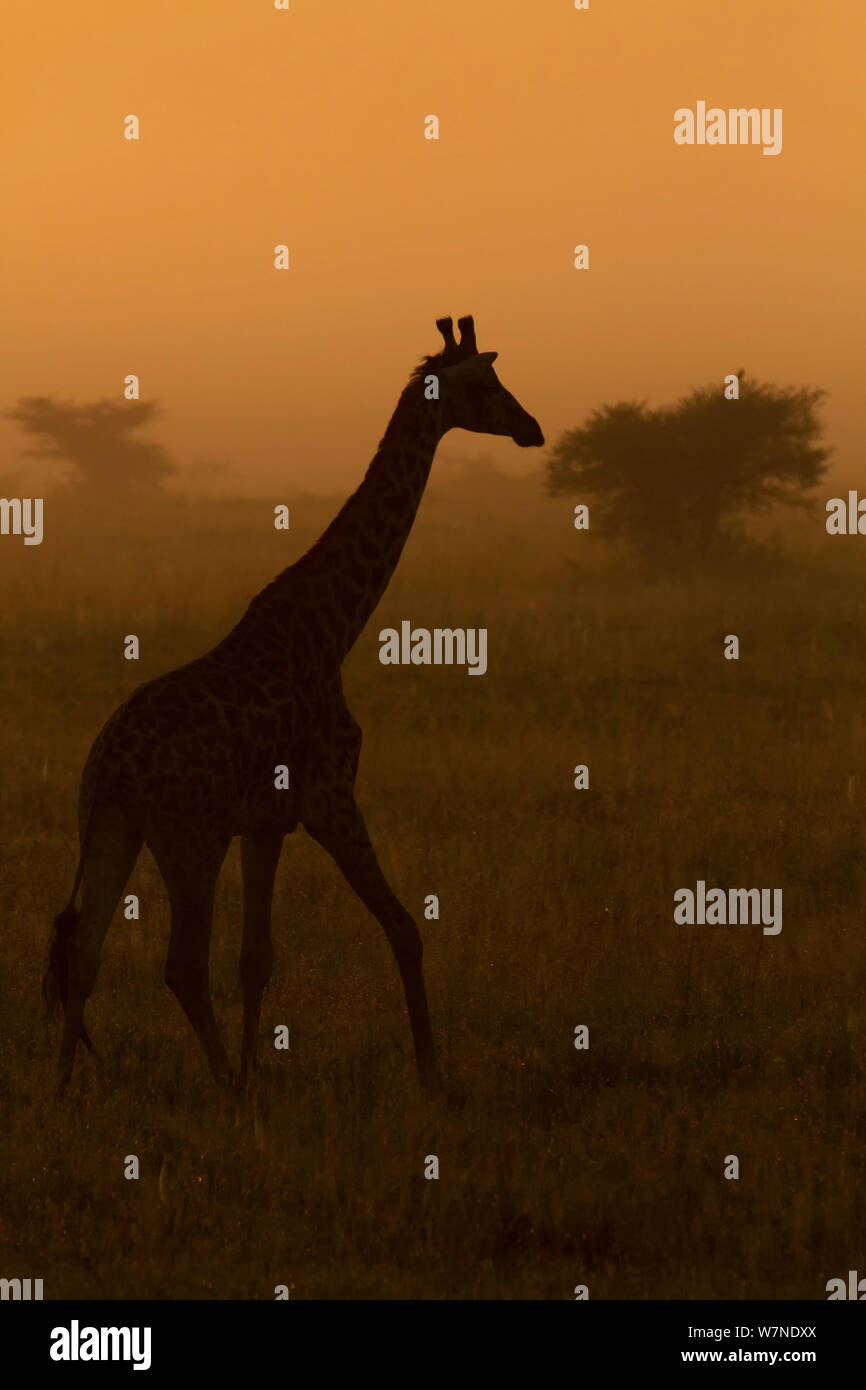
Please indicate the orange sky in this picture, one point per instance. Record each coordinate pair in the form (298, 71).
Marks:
(556, 127)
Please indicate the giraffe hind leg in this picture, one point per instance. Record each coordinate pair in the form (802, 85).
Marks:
(260, 855)
(191, 882)
(113, 845)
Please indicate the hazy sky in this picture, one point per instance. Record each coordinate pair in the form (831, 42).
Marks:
(307, 127)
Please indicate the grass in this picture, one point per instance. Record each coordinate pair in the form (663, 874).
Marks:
(557, 1167)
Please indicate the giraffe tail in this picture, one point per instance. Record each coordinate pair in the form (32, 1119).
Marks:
(55, 981)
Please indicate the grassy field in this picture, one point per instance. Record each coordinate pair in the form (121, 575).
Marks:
(557, 1167)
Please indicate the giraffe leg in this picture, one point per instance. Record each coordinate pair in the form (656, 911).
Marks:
(260, 855)
(191, 884)
(113, 845)
(342, 832)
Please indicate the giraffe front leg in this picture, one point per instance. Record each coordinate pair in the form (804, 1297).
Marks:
(341, 831)
(260, 854)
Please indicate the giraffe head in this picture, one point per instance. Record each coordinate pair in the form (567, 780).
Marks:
(472, 396)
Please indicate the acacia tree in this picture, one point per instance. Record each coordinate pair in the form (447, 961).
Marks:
(678, 482)
(96, 439)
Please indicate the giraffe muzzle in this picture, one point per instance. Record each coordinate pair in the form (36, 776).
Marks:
(528, 434)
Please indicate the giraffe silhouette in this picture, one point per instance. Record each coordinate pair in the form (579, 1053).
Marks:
(189, 760)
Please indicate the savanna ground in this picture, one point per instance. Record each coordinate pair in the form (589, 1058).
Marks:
(557, 1167)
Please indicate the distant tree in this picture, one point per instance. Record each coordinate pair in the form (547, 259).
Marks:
(95, 439)
(677, 483)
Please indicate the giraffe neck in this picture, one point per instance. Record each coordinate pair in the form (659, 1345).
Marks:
(344, 575)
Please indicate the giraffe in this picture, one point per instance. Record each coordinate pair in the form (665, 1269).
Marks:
(188, 761)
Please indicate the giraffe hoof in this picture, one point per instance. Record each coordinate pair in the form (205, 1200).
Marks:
(244, 1091)
(431, 1081)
